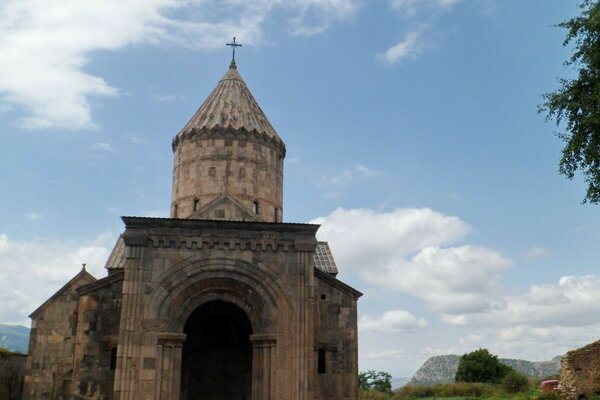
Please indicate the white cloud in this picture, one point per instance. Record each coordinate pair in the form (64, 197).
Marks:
(536, 252)
(392, 321)
(103, 146)
(411, 7)
(366, 239)
(32, 216)
(410, 46)
(453, 280)
(403, 250)
(32, 271)
(45, 45)
(386, 355)
(573, 301)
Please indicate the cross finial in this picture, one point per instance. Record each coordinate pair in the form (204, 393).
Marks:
(233, 45)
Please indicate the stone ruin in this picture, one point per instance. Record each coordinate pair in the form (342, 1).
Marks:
(580, 373)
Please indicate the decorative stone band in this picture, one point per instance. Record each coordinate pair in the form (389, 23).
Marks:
(229, 133)
(173, 338)
(263, 340)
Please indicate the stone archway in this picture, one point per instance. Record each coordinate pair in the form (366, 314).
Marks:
(217, 354)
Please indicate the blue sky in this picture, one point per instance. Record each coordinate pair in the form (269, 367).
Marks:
(412, 134)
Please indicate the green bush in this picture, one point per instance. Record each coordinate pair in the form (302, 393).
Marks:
(464, 389)
(480, 366)
(380, 381)
(548, 395)
(414, 392)
(514, 382)
(447, 390)
(375, 395)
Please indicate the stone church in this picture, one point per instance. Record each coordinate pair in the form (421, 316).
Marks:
(221, 301)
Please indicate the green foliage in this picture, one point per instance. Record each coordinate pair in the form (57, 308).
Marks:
(480, 366)
(577, 102)
(548, 395)
(375, 395)
(514, 382)
(379, 381)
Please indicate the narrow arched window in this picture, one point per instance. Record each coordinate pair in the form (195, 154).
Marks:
(196, 204)
(255, 206)
(321, 362)
(113, 358)
(175, 211)
(276, 215)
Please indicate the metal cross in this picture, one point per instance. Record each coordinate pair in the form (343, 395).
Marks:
(233, 44)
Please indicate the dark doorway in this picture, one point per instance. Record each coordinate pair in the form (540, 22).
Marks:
(217, 354)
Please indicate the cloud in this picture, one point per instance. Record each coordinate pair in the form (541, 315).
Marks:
(45, 45)
(32, 271)
(411, 7)
(536, 252)
(574, 301)
(102, 146)
(410, 46)
(409, 250)
(455, 280)
(392, 321)
(33, 216)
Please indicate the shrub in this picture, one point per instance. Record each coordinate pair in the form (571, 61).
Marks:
(414, 392)
(375, 380)
(374, 395)
(462, 389)
(548, 395)
(480, 366)
(514, 382)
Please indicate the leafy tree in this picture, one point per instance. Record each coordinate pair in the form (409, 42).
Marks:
(375, 380)
(514, 382)
(480, 366)
(577, 102)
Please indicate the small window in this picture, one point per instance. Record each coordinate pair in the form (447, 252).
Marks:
(323, 297)
(175, 211)
(219, 213)
(321, 363)
(255, 206)
(113, 358)
(196, 204)
(212, 171)
(276, 215)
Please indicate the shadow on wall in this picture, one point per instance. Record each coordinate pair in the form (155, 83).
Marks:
(12, 368)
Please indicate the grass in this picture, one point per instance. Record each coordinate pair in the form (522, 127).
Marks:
(454, 391)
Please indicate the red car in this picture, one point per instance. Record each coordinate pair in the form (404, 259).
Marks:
(549, 385)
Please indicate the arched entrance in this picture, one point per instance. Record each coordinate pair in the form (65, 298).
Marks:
(217, 354)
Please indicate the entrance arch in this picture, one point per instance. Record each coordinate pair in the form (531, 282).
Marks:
(217, 353)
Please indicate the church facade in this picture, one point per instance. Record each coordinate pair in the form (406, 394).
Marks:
(222, 300)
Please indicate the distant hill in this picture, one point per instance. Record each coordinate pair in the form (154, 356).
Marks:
(441, 369)
(14, 338)
(397, 383)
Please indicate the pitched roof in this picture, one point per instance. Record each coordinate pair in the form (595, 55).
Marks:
(324, 259)
(82, 278)
(231, 105)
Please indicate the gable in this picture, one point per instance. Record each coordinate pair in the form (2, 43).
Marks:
(224, 207)
(81, 279)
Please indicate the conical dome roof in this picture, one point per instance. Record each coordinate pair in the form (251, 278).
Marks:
(231, 105)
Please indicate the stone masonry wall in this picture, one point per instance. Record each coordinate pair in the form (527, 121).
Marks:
(237, 164)
(96, 339)
(12, 368)
(335, 334)
(580, 372)
(51, 343)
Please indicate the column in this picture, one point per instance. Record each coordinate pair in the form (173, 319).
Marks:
(168, 374)
(263, 366)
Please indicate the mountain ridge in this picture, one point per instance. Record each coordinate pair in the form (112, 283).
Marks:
(14, 338)
(442, 369)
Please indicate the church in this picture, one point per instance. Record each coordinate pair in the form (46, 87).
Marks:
(221, 301)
